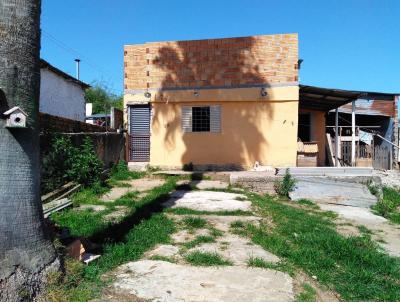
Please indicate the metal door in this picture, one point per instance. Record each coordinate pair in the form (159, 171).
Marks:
(139, 133)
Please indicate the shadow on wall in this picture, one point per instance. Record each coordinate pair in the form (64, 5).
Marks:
(241, 141)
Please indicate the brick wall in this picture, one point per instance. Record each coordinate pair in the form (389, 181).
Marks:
(230, 62)
(50, 123)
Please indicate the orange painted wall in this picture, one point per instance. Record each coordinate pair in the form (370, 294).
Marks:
(250, 131)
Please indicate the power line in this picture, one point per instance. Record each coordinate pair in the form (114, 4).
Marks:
(74, 52)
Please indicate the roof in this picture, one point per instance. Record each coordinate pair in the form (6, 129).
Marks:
(47, 65)
(326, 99)
(13, 109)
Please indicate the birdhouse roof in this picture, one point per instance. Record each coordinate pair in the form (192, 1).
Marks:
(14, 109)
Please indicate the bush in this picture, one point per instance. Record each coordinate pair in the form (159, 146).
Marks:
(120, 171)
(56, 164)
(86, 167)
(64, 163)
(286, 185)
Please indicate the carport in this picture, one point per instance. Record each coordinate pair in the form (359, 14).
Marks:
(327, 99)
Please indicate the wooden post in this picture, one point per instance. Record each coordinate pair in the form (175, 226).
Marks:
(353, 133)
(337, 137)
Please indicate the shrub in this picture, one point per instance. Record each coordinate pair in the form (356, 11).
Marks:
(120, 171)
(64, 163)
(286, 185)
(56, 164)
(86, 167)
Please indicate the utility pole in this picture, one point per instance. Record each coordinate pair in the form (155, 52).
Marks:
(78, 61)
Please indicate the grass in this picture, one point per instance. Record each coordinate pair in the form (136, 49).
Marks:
(199, 240)
(192, 222)
(128, 199)
(389, 205)
(354, 267)
(280, 266)
(238, 227)
(120, 172)
(198, 258)
(308, 203)
(141, 230)
(307, 295)
(184, 211)
(163, 258)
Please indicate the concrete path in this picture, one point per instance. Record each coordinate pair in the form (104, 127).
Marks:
(135, 185)
(161, 281)
(208, 201)
(331, 191)
(385, 233)
(154, 280)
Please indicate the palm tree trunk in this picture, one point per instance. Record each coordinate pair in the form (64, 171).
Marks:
(26, 253)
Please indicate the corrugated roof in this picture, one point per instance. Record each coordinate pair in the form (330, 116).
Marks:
(326, 99)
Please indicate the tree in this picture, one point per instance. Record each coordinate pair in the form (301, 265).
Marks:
(102, 99)
(26, 252)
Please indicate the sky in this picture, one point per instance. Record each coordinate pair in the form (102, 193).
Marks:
(353, 44)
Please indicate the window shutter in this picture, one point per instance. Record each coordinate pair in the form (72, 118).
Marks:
(215, 118)
(186, 119)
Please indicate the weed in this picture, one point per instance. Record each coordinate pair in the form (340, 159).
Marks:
(193, 222)
(185, 211)
(308, 203)
(307, 295)
(198, 258)
(237, 224)
(128, 199)
(163, 258)
(199, 240)
(120, 172)
(310, 241)
(364, 230)
(388, 205)
(280, 266)
(240, 198)
(188, 167)
(286, 185)
(215, 232)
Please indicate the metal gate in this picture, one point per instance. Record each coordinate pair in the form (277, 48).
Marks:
(139, 133)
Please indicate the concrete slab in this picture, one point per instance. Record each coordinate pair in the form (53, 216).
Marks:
(223, 223)
(185, 236)
(118, 214)
(205, 184)
(386, 234)
(326, 190)
(327, 171)
(208, 201)
(236, 249)
(92, 207)
(164, 250)
(136, 185)
(167, 282)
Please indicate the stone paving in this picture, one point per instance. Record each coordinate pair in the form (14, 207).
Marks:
(155, 280)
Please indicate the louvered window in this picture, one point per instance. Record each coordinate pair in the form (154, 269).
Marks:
(201, 119)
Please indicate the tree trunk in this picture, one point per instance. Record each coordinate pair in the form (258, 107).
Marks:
(26, 252)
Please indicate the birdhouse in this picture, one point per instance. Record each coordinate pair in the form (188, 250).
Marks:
(16, 118)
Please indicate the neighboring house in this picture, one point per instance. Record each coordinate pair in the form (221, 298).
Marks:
(61, 94)
(225, 103)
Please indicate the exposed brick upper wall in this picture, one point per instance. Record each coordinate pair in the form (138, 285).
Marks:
(268, 59)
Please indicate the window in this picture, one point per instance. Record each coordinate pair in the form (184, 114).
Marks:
(201, 119)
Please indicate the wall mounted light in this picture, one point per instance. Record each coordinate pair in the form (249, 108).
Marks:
(196, 93)
(147, 94)
(264, 92)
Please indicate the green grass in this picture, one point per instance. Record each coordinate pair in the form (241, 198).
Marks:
(184, 211)
(389, 205)
(129, 199)
(89, 195)
(120, 172)
(198, 258)
(198, 240)
(238, 227)
(280, 266)
(355, 267)
(163, 258)
(142, 229)
(307, 295)
(308, 203)
(192, 222)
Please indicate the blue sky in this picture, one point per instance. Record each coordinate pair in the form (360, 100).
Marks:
(353, 44)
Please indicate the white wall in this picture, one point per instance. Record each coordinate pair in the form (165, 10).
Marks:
(61, 97)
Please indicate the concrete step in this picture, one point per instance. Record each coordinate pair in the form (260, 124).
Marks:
(326, 171)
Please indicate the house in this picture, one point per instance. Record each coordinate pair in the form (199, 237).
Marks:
(61, 94)
(225, 104)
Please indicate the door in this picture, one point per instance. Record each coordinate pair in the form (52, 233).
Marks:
(139, 133)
